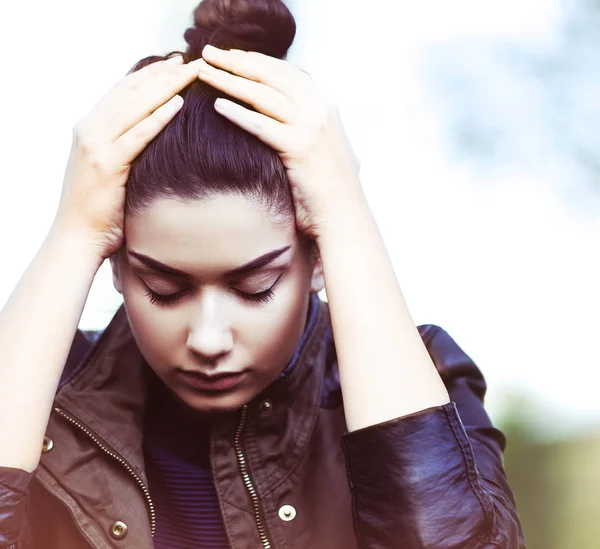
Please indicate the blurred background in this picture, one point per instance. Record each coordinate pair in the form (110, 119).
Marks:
(476, 124)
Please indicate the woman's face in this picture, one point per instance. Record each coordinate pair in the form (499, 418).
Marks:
(217, 295)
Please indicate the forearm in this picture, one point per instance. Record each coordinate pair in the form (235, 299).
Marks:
(385, 370)
(37, 326)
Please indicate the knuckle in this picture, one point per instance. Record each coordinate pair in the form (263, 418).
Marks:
(273, 97)
(90, 151)
(143, 133)
(134, 86)
(322, 117)
(151, 67)
(134, 135)
(98, 162)
(255, 125)
(235, 65)
(82, 137)
(253, 59)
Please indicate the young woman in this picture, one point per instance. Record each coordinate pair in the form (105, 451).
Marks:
(225, 405)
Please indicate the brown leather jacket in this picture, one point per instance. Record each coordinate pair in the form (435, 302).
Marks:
(286, 473)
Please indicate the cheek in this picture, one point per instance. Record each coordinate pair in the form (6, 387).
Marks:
(274, 333)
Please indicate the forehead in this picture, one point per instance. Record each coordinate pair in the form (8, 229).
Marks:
(219, 231)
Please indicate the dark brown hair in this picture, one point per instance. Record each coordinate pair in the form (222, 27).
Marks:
(199, 152)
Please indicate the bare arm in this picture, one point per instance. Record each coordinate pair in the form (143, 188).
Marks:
(38, 323)
(385, 370)
(37, 326)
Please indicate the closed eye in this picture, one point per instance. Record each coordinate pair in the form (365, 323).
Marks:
(260, 297)
(164, 300)
(160, 299)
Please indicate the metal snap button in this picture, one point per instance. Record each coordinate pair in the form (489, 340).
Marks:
(47, 445)
(266, 406)
(118, 530)
(287, 513)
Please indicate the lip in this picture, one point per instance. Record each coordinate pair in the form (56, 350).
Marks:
(215, 382)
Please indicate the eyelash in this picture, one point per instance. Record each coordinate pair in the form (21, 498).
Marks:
(165, 300)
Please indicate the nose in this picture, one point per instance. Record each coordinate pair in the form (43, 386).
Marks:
(209, 335)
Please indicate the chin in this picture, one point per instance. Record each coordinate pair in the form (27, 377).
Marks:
(216, 404)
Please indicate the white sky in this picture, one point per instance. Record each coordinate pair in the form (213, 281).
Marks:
(504, 265)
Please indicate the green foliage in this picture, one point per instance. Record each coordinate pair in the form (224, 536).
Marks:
(555, 483)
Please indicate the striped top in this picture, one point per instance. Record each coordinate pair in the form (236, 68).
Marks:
(177, 458)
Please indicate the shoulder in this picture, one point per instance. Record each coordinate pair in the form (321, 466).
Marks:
(449, 358)
(436, 338)
(80, 347)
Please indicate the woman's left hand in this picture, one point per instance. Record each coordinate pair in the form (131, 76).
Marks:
(292, 118)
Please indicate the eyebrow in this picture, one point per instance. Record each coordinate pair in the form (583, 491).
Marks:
(257, 263)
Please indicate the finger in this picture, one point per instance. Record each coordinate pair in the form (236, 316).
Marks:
(133, 142)
(151, 94)
(128, 107)
(272, 72)
(269, 131)
(154, 68)
(131, 80)
(264, 99)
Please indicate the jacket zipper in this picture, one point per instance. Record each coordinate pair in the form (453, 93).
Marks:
(247, 481)
(118, 458)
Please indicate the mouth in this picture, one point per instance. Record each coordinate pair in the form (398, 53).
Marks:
(224, 381)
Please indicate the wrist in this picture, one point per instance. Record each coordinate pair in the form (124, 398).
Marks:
(74, 245)
(347, 218)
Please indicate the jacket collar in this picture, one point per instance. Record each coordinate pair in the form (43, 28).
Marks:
(107, 393)
(108, 396)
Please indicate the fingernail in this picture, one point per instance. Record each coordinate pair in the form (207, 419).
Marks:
(221, 104)
(174, 60)
(203, 66)
(211, 50)
(174, 104)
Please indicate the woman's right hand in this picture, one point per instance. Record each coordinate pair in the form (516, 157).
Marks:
(105, 143)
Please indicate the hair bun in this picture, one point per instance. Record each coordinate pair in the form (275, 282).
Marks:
(266, 26)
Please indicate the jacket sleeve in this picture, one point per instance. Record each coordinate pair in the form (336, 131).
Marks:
(14, 484)
(434, 479)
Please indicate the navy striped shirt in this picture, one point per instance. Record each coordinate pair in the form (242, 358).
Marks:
(177, 456)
